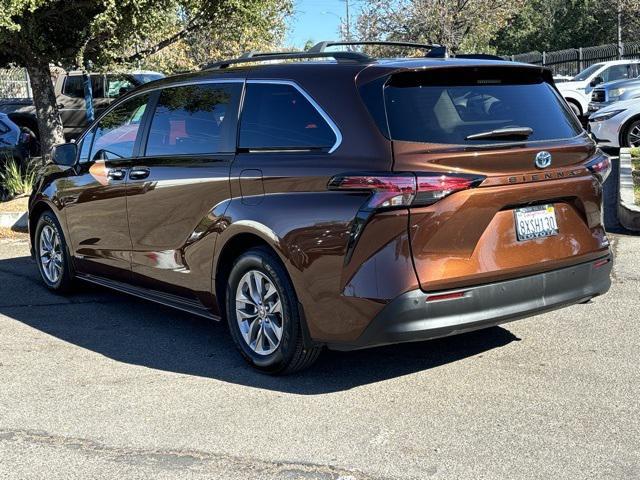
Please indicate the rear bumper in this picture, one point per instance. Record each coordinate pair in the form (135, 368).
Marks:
(410, 317)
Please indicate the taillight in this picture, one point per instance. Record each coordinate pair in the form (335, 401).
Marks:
(600, 167)
(433, 187)
(405, 189)
(388, 190)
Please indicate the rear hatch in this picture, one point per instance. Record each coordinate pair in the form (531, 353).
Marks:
(517, 182)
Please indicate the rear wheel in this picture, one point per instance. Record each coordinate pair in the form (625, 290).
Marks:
(631, 137)
(263, 315)
(51, 254)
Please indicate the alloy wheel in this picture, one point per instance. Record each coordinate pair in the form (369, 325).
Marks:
(50, 252)
(633, 137)
(259, 312)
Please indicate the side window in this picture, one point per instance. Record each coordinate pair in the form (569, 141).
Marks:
(117, 85)
(195, 119)
(97, 86)
(115, 135)
(616, 72)
(73, 86)
(278, 116)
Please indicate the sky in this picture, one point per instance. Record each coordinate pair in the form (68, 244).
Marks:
(317, 20)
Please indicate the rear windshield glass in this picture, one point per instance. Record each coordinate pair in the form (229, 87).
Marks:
(420, 111)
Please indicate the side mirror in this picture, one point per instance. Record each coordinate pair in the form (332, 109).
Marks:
(65, 154)
(596, 81)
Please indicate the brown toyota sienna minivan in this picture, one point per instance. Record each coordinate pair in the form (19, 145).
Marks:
(332, 199)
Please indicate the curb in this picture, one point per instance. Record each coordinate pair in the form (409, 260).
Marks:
(16, 221)
(628, 211)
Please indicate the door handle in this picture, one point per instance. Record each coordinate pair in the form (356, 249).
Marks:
(138, 173)
(116, 174)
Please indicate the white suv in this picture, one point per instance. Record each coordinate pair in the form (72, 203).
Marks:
(577, 92)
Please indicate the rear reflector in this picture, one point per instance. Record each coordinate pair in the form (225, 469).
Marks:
(405, 189)
(445, 296)
(601, 263)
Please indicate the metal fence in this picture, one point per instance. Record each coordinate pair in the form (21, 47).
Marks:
(14, 83)
(574, 60)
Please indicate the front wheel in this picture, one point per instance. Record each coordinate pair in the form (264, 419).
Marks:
(575, 109)
(52, 255)
(631, 137)
(263, 315)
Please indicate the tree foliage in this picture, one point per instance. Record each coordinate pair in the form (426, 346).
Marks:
(459, 24)
(500, 26)
(68, 33)
(545, 25)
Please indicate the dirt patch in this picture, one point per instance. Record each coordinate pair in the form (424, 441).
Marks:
(15, 205)
(9, 234)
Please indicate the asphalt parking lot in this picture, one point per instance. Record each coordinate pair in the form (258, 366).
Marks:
(101, 385)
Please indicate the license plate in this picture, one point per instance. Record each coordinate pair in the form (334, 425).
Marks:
(536, 222)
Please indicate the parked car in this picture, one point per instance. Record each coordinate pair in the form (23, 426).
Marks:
(341, 201)
(15, 142)
(617, 125)
(612, 92)
(577, 92)
(69, 90)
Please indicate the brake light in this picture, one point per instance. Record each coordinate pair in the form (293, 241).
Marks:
(434, 187)
(388, 190)
(600, 167)
(405, 189)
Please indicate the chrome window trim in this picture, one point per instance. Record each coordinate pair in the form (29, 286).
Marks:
(314, 104)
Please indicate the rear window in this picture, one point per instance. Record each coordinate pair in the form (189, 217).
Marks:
(427, 109)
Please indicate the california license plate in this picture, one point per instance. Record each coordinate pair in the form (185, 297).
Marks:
(536, 222)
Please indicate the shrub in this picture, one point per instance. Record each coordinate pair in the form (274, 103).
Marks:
(17, 181)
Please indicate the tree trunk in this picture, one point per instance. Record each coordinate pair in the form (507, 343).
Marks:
(44, 99)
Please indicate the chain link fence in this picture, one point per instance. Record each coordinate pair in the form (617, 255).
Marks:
(14, 83)
(572, 61)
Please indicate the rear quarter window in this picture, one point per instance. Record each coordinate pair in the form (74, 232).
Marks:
(421, 110)
(279, 116)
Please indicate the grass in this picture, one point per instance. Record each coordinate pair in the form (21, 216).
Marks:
(16, 181)
(635, 166)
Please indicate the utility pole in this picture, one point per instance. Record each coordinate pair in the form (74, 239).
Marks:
(619, 29)
(346, 3)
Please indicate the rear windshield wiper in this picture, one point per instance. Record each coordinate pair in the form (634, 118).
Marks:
(523, 132)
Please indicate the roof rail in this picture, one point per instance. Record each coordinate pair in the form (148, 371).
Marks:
(322, 46)
(250, 57)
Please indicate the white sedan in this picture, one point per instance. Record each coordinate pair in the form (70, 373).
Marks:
(617, 125)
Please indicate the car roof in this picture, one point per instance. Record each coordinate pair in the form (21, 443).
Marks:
(285, 68)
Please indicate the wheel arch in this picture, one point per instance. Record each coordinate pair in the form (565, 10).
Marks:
(35, 211)
(234, 246)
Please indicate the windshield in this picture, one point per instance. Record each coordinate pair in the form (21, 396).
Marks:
(587, 72)
(467, 114)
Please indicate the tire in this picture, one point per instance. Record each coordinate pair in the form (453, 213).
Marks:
(631, 136)
(50, 238)
(262, 316)
(575, 109)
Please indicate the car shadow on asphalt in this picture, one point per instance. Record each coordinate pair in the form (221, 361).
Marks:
(138, 332)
